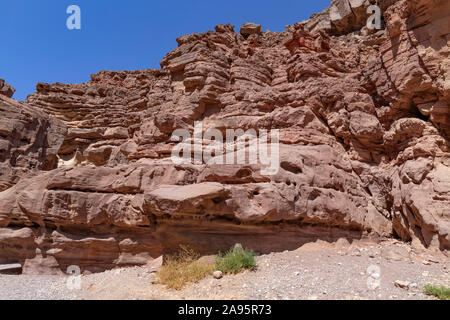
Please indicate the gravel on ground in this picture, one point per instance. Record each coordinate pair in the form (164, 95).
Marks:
(317, 271)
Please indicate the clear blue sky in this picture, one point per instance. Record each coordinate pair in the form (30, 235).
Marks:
(36, 45)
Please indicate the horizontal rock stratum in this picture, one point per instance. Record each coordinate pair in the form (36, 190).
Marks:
(86, 176)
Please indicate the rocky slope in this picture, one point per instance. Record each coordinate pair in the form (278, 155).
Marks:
(364, 136)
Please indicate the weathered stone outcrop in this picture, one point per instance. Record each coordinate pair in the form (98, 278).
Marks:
(29, 141)
(6, 89)
(345, 16)
(363, 121)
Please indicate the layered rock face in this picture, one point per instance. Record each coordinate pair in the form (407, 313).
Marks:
(29, 139)
(363, 144)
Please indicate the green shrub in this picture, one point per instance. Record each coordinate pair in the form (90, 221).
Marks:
(441, 292)
(236, 260)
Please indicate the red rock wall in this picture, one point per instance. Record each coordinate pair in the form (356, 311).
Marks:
(363, 120)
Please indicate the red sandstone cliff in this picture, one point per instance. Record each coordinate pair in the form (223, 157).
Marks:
(86, 177)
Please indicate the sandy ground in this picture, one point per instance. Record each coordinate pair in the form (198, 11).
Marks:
(316, 271)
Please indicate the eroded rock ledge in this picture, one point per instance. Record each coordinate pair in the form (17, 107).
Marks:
(86, 177)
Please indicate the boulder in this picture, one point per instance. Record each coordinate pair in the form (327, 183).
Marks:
(247, 29)
(6, 89)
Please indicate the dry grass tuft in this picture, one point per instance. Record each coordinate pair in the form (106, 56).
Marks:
(183, 268)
